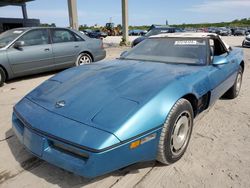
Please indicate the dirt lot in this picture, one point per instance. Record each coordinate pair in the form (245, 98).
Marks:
(218, 154)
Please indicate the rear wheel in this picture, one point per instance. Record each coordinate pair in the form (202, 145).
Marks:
(176, 132)
(83, 59)
(2, 76)
(234, 91)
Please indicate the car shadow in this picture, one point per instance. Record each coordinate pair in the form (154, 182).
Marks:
(224, 98)
(58, 176)
(239, 46)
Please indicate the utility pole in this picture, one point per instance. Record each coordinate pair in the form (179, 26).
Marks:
(125, 40)
(73, 19)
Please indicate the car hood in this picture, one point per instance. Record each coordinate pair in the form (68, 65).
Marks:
(106, 94)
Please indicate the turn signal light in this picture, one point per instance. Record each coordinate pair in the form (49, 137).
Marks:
(135, 144)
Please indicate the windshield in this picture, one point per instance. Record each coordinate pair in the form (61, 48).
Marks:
(9, 36)
(170, 50)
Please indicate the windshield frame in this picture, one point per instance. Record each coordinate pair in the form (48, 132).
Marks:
(122, 57)
(24, 30)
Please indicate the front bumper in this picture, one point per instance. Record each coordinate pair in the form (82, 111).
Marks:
(246, 43)
(82, 162)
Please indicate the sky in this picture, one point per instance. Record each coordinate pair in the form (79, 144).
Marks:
(141, 12)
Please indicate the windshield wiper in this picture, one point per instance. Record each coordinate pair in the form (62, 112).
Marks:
(158, 61)
(124, 58)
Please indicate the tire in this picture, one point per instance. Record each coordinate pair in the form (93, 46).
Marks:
(234, 91)
(176, 132)
(83, 59)
(243, 44)
(2, 76)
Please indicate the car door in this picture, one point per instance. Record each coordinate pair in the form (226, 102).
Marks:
(221, 76)
(65, 47)
(35, 55)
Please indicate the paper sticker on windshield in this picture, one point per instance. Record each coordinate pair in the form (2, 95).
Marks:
(17, 32)
(186, 42)
(189, 42)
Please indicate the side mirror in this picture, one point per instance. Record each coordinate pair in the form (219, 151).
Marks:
(219, 60)
(19, 44)
(123, 53)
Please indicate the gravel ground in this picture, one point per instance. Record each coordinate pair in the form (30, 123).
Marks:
(217, 156)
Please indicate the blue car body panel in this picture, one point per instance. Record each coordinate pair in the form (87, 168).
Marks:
(109, 105)
(97, 163)
(61, 127)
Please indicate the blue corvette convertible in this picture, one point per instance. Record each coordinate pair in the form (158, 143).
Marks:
(100, 117)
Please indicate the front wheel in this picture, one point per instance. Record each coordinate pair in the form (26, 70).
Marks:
(234, 91)
(176, 132)
(83, 59)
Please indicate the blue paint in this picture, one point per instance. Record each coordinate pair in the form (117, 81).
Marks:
(108, 105)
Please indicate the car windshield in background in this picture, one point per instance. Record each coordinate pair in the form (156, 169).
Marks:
(9, 36)
(158, 31)
(170, 50)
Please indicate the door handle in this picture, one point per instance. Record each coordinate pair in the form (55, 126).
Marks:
(76, 46)
(46, 49)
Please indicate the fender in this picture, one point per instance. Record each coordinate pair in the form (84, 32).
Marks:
(5, 64)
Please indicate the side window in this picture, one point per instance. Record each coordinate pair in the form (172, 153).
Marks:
(78, 38)
(35, 37)
(217, 48)
(62, 35)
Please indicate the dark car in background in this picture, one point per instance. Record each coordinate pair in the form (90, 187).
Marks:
(212, 30)
(26, 51)
(223, 31)
(98, 34)
(239, 32)
(155, 30)
(247, 31)
(246, 42)
(137, 32)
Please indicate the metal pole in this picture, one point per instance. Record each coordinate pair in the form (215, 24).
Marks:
(125, 22)
(73, 19)
(24, 10)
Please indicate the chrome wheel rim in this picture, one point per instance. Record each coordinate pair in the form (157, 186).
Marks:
(84, 60)
(181, 133)
(238, 83)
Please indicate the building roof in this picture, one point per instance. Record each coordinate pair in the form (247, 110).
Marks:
(12, 2)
